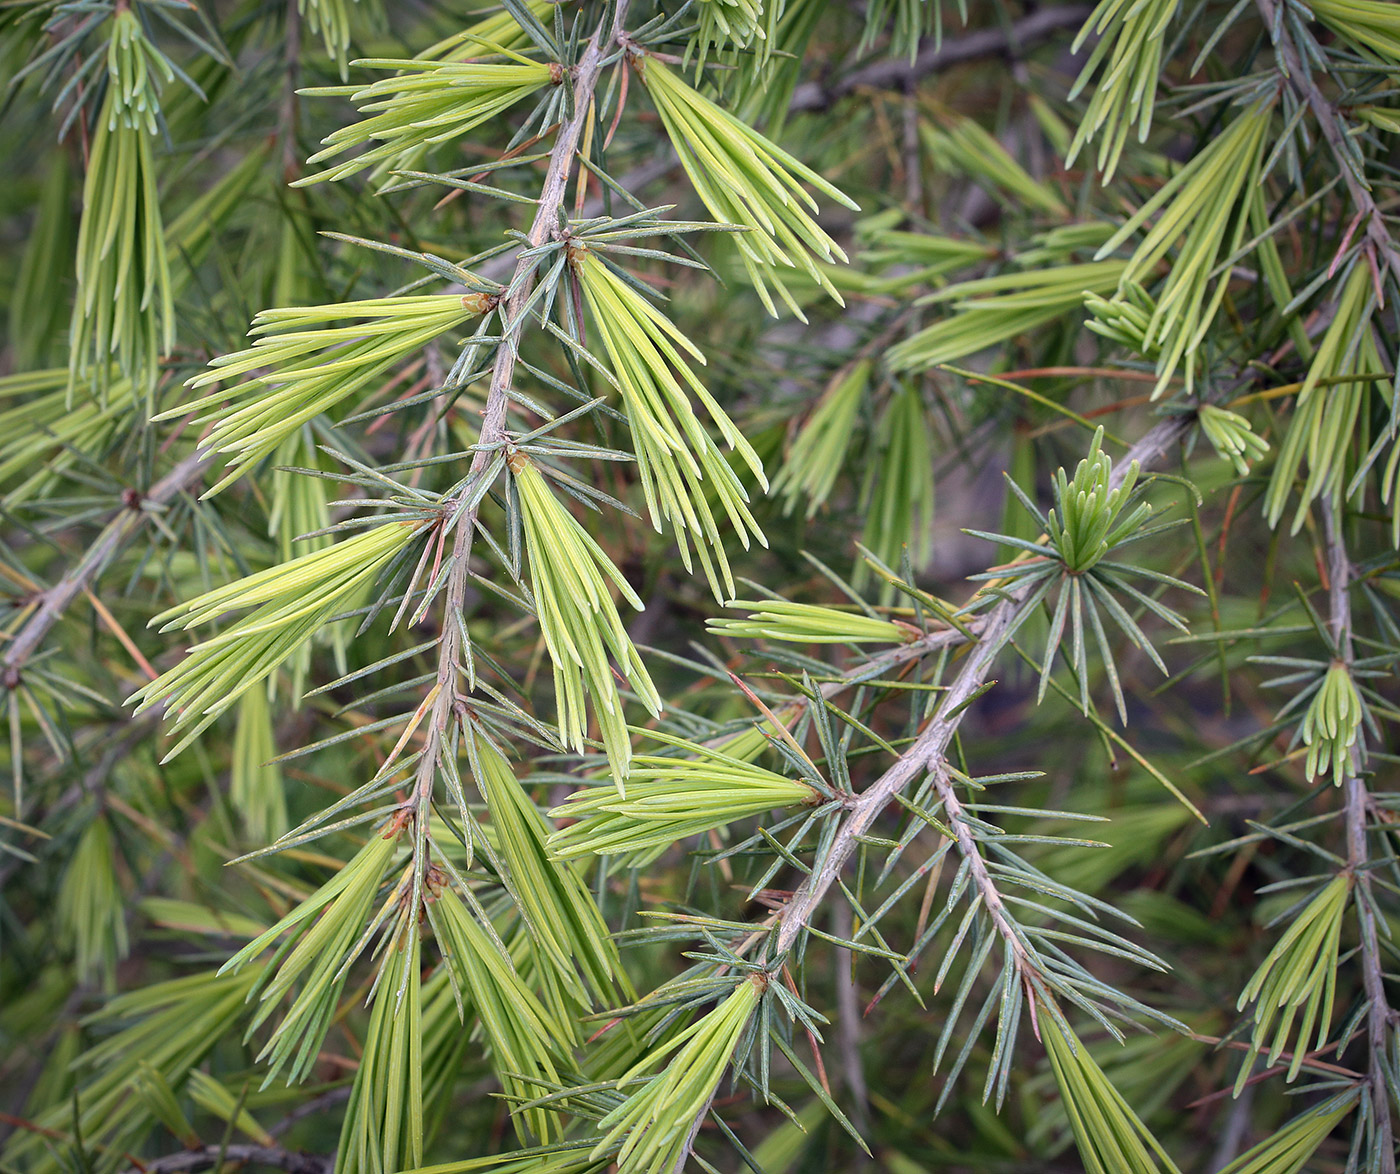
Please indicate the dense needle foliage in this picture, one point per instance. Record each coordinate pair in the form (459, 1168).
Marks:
(648, 585)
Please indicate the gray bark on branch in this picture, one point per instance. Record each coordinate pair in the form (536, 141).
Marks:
(55, 600)
(493, 429)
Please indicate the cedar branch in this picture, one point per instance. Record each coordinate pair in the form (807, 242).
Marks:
(493, 430)
(52, 603)
(1380, 1018)
(932, 744)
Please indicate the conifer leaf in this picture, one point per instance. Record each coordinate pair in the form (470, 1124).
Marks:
(562, 920)
(1110, 1137)
(524, 1039)
(329, 931)
(814, 461)
(1288, 1150)
(1323, 426)
(669, 799)
(1331, 723)
(1125, 61)
(125, 305)
(423, 104)
(1299, 973)
(808, 623)
(1016, 304)
(1206, 206)
(255, 781)
(653, 1122)
(301, 366)
(1371, 26)
(898, 494)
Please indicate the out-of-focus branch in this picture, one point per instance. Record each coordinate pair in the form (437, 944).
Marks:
(51, 604)
(210, 1156)
(899, 73)
(288, 116)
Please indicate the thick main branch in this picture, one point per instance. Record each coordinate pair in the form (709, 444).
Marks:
(493, 422)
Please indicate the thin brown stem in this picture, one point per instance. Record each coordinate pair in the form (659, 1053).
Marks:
(1334, 132)
(50, 605)
(848, 1024)
(209, 1156)
(1380, 1019)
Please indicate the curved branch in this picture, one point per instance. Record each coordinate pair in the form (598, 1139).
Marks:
(900, 74)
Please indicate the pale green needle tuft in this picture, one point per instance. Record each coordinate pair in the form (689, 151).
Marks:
(744, 179)
(669, 799)
(290, 603)
(571, 577)
(1300, 974)
(681, 468)
(1331, 724)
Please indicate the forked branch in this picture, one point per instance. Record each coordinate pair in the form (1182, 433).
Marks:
(132, 516)
(929, 749)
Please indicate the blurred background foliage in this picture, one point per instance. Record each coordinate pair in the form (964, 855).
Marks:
(1199, 229)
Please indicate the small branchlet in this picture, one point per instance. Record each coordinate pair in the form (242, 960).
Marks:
(425, 103)
(290, 604)
(746, 180)
(653, 1122)
(1093, 517)
(671, 798)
